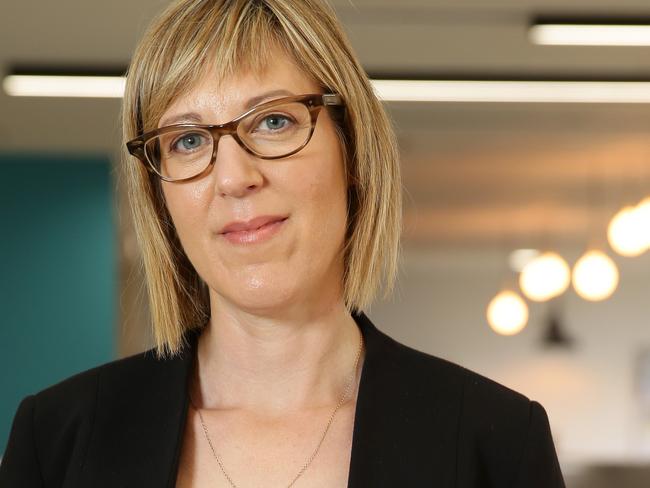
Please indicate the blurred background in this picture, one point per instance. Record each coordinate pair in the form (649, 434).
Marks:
(526, 164)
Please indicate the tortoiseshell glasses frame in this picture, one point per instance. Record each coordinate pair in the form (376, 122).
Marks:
(160, 152)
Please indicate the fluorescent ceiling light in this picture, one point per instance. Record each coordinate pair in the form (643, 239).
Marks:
(64, 86)
(513, 91)
(590, 35)
(387, 90)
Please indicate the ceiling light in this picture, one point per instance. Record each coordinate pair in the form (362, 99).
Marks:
(507, 313)
(595, 276)
(33, 85)
(590, 34)
(643, 216)
(625, 232)
(64, 86)
(513, 91)
(545, 277)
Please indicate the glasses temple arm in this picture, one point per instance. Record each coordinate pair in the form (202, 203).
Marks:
(332, 99)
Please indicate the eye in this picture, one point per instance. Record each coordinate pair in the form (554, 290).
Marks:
(274, 123)
(189, 142)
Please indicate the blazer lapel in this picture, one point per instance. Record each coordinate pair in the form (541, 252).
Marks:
(406, 417)
(139, 421)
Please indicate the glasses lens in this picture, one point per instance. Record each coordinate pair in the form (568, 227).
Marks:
(181, 153)
(278, 130)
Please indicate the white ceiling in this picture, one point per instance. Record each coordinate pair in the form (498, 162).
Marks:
(474, 173)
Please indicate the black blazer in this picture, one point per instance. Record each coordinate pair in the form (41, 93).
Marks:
(420, 421)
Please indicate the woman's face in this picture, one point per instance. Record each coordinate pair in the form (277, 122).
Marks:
(286, 265)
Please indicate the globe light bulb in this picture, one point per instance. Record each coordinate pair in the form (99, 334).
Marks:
(545, 277)
(507, 313)
(595, 276)
(643, 216)
(625, 234)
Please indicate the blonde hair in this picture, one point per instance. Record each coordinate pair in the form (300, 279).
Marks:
(237, 35)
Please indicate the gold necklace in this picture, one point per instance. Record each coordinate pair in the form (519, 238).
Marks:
(329, 422)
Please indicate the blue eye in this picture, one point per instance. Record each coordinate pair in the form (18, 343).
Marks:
(188, 142)
(274, 122)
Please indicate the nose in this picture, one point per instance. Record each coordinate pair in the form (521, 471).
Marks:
(235, 171)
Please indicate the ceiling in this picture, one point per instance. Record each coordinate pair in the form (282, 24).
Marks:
(474, 174)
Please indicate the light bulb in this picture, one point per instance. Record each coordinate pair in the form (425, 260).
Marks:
(545, 277)
(595, 276)
(507, 313)
(624, 233)
(643, 216)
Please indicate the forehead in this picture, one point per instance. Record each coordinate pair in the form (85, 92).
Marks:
(219, 100)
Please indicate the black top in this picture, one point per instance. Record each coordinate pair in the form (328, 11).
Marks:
(420, 421)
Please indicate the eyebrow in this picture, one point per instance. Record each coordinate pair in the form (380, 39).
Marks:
(193, 117)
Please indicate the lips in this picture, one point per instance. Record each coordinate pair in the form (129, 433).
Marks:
(252, 224)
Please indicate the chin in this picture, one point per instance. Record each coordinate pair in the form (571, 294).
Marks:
(265, 298)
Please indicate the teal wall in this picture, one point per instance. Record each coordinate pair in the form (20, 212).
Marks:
(58, 273)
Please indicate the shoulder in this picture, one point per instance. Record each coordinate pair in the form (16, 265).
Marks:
(500, 436)
(473, 390)
(62, 413)
(54, 429)
(485, 411)
(80, 389)
(120, 376)
(69, 406)
(51, 428)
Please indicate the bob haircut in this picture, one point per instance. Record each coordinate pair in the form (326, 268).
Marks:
(237, 35)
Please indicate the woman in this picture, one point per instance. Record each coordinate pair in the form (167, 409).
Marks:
(266, 194)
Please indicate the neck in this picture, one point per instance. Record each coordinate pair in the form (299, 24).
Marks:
(274, 366)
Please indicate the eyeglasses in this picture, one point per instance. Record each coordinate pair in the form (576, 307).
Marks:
(271, 130)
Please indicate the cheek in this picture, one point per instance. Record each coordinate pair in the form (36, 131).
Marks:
(181, 195)
(187, 204)
(325, 198)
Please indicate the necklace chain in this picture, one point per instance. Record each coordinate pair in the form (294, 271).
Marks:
(327, 427)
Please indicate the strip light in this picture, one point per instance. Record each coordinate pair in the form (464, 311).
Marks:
(387, 90)
(64, 86)
(590, 35)
(513, 91)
